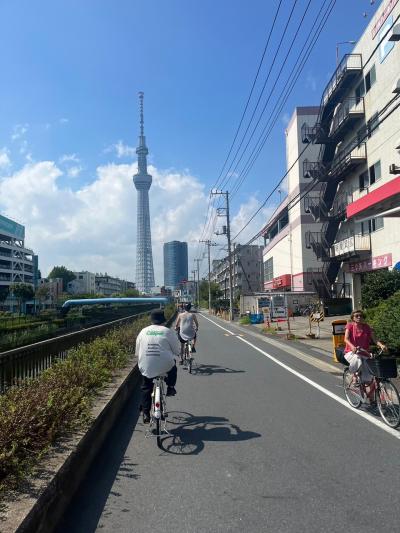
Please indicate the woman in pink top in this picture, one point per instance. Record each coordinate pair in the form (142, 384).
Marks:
(359, 335)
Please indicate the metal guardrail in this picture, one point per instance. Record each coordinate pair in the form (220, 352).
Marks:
(31, 360)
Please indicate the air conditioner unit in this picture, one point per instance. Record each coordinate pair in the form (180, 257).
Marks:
(395, 35)
(393, 169)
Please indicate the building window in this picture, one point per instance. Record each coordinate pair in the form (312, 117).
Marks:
(370, 176)
(374, 172)
(370, 79)
(360, 91)
(363, 180)
(269, 269)
(373, 124)
(369, 226)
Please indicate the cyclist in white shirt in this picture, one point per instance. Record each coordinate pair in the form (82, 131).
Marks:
(187, 326)
(156, 348)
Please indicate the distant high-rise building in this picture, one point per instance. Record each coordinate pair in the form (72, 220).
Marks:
(18, 264)
(142, 181)
(175, 263)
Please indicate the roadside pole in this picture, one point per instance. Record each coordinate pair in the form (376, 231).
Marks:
(209, 244)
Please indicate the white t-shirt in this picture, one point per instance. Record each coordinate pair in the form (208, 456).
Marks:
(187, 326)
(156, 347)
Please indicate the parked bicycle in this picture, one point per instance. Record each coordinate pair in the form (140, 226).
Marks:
(381, 391)
(158, 411)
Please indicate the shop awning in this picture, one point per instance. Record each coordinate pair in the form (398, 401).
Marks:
(381, 201)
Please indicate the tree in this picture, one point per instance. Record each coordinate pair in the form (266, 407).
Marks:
(4, 291)
(385, 320)
(216, 292)
(42, 293)
(23, 292)
(378, 286)
(63, 273)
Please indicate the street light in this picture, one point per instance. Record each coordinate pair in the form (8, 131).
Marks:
(337, 49)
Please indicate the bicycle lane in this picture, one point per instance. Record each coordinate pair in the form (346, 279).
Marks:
(254, 448)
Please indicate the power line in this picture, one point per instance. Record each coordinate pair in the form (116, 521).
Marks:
(251, 92)
(313, 185)
(284, 96)
(224, 182)
(296, 199)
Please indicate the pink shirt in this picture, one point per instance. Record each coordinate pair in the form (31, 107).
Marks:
(359, 335)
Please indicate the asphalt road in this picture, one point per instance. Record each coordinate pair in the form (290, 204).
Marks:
(255, 446)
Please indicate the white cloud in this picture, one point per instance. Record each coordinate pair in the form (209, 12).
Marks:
(244, 214)
(311, 82)
(121, 150)
(285, 118)
(19, 131)
(94, 227)
(66, 158)
(4, 158)
(63, 120)
(73, 172)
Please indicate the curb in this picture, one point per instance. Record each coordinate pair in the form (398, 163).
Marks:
(45, 513)
(55, 498)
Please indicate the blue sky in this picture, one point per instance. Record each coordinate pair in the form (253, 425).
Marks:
(69, 120)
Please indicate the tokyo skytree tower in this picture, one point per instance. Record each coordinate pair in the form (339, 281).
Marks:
(142, 181)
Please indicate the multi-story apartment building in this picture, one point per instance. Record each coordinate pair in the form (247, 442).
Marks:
(175, 263)
(18, 264)
(54, 287)
(84, 283)
(107, 285)
(288, 263)
(247, 271)
(355, 178)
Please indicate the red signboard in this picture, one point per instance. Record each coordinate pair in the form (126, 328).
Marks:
(373, 263)
(282, 281)
(385, 13)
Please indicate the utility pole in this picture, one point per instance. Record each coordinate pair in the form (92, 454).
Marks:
(198, 282)
(227, 232)
(194, 281)
(209, 244)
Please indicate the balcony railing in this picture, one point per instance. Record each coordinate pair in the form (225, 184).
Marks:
(351, 63)
(346, 158)
(351, 246)
(347, 111)
(313, 170)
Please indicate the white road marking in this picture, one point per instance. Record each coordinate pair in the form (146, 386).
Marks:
(395, 433)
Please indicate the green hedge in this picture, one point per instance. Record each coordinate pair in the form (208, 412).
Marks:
(19, 327)
(385, 320)
(34, 415)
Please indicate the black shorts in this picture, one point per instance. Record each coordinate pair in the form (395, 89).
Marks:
(182, 340)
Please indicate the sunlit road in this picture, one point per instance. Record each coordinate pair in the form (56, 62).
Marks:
(254, 447)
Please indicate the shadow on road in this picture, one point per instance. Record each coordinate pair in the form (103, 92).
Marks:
(204, 369)
(189, 433)
(85, 510)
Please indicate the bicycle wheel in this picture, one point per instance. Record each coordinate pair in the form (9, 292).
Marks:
(186, 356)
(351, 389)
(190, 360)
(388, 403)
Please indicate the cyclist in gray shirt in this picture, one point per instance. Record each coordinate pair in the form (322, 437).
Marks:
(187, 326)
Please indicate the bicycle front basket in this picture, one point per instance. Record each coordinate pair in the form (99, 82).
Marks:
(382, 368)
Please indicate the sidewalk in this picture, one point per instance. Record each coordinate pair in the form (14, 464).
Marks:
(300, 326)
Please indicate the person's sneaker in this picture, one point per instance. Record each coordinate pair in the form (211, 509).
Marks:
(146, 418)
(171, 391)
(193, 349)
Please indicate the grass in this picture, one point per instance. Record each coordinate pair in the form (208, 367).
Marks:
(34, 415)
